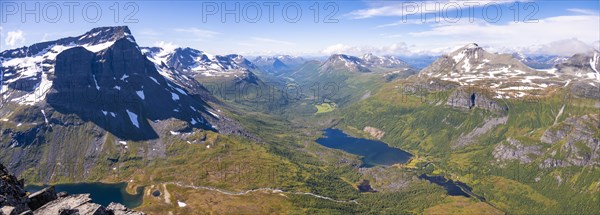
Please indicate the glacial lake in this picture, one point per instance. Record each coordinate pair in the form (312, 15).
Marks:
(100, 193)
(373, 152)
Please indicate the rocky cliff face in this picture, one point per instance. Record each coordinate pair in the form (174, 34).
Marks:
(12, 195)
(15, 200)
(515, 150)
(95, 92)
(469, 98)
(581, 138)
(120, 90)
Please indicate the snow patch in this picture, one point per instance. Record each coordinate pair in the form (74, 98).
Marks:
(174, 96)
(155, 81)
(180, 91)
(96, 82)
(594, 60)
(98, 47)
(45, 118)
(140, 94)
(134, 118)
(457, 58)
(214, 114)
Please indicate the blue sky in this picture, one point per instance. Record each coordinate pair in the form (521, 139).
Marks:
(354, 27)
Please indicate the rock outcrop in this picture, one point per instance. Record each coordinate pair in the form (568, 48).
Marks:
(40, 198)
(15, 200)
(374, 132)
(469, 98)
(581, 143)
(469, 138)
(515, 150)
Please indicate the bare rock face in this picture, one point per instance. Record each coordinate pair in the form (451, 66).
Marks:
(82, 204)
(581, 63)
(119, 209)
(515, 150)
(8, 210)
(13, 198)
(581, 143)
(470, 137)
(120, 90)
(40, 198)
(469, 98)
(375, 132)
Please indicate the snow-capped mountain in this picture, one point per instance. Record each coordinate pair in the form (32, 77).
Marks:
(26, 71)
(365, 63)
(540, 61)
(291, 60)
(342, 62)
(471, 65)
(271, 64)
(278, 64)
(582, 65)
(102, 76)
(383, 61)
(199, 63)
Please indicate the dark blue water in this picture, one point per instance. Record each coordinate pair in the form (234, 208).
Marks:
(373, 152)
(100, 193)
(453, 188)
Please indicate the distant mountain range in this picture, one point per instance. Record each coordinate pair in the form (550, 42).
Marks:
(540, 61)
(278, 64)
(364, 64)
(506, 75)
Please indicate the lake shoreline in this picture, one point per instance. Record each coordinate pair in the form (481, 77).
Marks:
(102, 193)
(372, 152)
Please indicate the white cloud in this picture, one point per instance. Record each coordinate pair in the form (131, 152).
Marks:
(167, 46)
(407, 22)
(416, 7)
(149, 32)
(511, 35)
(562, 48)
(393, 49)
(338, 49)
(45, 37)
(15, 38)
(274, 41)
(196, 32)
(582, 11)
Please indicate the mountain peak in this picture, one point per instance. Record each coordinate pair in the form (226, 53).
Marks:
(368, 56)
(471, 46)
(114, 29)
(469, 51)
(105, 34)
